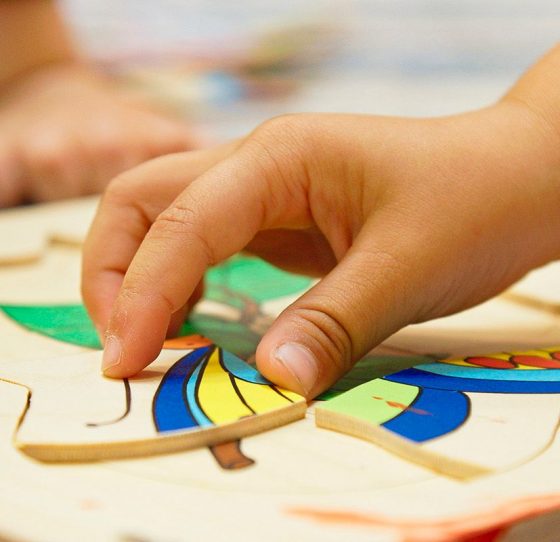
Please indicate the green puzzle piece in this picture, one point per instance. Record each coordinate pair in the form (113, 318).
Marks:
(241, 282)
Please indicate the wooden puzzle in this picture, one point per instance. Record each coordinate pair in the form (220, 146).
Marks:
(199, 395)
(461, 417)
(303, 482)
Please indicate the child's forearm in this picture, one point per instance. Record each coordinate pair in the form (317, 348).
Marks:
(539, 89)
(32, 34)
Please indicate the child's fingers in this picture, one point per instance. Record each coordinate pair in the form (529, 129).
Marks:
(215, 217)
(127, 210)
(369, 295)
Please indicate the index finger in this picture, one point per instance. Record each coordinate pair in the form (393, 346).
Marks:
(128, 209)
(213, 218)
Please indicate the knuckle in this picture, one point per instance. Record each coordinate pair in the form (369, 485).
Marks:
(178, 218)
(119, 189)
(141, 285)
(327, 330)
(288, 133)
(182, 220)
(124, 197)
(278, 151)
(133, 184)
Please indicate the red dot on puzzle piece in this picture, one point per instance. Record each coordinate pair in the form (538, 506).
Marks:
(536, 361)
(490, 363)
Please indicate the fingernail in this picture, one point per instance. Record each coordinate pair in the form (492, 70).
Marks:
(300, 363)
(111, 354)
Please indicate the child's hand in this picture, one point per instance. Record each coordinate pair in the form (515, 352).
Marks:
(407, 220)
(64, 132)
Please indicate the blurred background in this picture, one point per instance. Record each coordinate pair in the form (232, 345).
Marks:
(226, 66)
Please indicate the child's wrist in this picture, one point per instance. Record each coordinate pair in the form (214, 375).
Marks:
(543, 118)
(538, 91)
(534, 139)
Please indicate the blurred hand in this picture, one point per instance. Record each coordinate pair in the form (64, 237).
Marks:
(406, 220)
(65, 132)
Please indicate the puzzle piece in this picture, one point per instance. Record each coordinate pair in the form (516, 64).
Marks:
(464, 418)
(27, 231)
(199, 395)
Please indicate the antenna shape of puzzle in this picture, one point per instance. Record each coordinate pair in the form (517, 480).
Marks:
(463, 417)
(198, 396)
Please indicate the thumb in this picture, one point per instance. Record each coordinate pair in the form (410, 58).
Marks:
(364, 299)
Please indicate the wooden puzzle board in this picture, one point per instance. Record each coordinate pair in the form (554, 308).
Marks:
(306, 483)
